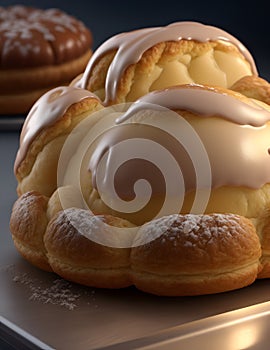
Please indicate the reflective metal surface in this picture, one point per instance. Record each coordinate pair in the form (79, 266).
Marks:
(247, 328)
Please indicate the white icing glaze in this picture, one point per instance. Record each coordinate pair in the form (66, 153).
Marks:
(130, 47)
(45, 112)
(205, 101)
(234, 134)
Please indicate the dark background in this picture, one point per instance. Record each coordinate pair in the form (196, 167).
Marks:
(248, 21)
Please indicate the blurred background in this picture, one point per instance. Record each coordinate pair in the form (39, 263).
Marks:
(246, 20)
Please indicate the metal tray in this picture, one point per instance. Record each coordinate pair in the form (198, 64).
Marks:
(88, 318)
(246, 328)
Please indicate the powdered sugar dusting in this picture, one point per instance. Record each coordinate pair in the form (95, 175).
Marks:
(193, 228)
(86, 223)
(96, 229)
(23, 29)
(60, 292)
(17, 22)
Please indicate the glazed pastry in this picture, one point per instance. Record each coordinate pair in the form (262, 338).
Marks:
(229, 233)
(215, 116)
(39, 49)
(46, 127)
(129, 65)
(170, 193)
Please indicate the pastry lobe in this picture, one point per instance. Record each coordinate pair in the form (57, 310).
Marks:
(253, 87)
(49, 122)
(213, 252)
(130, 65)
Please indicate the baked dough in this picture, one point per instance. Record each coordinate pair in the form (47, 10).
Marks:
(224, 249)
(196, 254)
(39, 50)
(130, 65)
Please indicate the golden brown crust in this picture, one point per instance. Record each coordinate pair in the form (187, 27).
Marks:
(64, 241)
(263, 230)
(154, 58)
(253, 87)
(197, 255)
(192, 255)
(82, 260)
(195, 285)
(222, 241)
(28, 223)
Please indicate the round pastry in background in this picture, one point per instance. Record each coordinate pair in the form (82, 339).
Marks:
(39, 49)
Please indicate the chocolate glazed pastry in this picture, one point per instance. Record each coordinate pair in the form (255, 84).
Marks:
(39, 50)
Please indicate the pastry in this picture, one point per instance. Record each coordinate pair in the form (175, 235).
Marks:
(170, 193)
(39, 49)
(254, 87)
(196, 254)
(46, 127)
(223, 246)
(129, 65)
